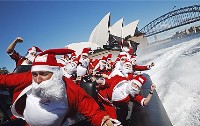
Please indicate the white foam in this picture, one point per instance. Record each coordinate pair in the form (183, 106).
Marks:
(176, 75)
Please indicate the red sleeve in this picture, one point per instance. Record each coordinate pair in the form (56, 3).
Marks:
(141, 68)
(15, 79)
(81, 102)
(15, 56)
(139, 99)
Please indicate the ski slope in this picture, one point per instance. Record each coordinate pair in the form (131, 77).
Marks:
(177, 76)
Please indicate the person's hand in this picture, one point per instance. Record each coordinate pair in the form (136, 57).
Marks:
(152, 64)
(19, 40)
(153, 86)
(106, 121)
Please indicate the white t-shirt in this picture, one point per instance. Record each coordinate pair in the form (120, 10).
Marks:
(119, 91)
(44, 112)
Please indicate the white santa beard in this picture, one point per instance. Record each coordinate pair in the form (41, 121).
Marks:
(70, 69)
(126, 70)
(102, 66)
(30, 57)
(85, 62)
(52, 89)
(132, 90)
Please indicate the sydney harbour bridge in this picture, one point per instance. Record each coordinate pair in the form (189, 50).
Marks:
(173, 19)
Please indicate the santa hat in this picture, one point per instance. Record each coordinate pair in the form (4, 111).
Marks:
(104, 58)
(34, 49)
(73, 55)
(133, 57)
(127, 62)
(109, 56)
(85, 51)
(76, 60)
(139, 80)
(46, 61)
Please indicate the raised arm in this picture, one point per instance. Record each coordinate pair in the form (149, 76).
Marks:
(15, 79)
(11, 47)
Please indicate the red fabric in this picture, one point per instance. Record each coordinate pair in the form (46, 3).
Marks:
(18, 58)
(78, 99)
(107, 91)
(140, 68)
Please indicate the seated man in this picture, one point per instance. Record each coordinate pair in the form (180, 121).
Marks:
(44, 97)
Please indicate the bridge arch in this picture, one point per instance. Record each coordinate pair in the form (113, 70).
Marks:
(172, 20)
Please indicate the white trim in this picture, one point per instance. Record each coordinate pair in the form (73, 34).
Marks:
(137, 82)
(142, 102)
(84, 54)
(13, 110)
(45, 68)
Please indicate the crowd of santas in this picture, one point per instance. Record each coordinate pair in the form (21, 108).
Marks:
(117, 81)
(76, 68)
(109, 76)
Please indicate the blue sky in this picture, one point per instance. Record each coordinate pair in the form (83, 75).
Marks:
(52, 24)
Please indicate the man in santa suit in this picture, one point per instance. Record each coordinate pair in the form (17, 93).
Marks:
(43, 97)
(100, 65)
(120, 61)
(83, 62)
(109, 64)
(69, 70)
(22, 60)
(118, 91)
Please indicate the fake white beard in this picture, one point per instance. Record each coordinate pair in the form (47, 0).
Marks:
(85, 62)
(132, 90)
(126, 70)
(30, 57)
(52, 89)
(70, 68)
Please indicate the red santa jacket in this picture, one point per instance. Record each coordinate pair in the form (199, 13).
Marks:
(140, 68)
(105, 95)
(111, 83)
(18, 58)
(78, 99)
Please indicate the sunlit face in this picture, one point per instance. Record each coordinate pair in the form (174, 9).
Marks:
(40, 76)
(128, 66)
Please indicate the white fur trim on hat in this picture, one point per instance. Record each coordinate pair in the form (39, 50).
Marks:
(142, 102)
(137, 82)
(45, 68)
(85, 54)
